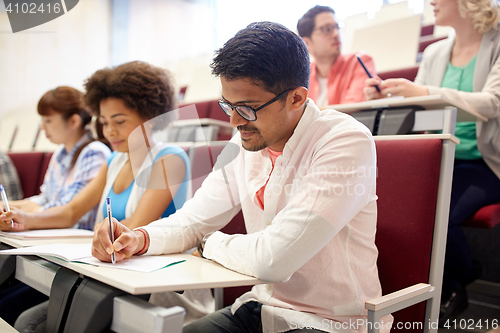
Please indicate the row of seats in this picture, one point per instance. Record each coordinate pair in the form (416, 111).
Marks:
(396, 160)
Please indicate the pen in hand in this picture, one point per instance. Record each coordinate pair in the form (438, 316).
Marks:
(366, 70)
(6, 203)
(111, 233)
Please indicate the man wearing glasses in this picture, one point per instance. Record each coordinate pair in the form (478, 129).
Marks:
(305, 182)
(336, 78)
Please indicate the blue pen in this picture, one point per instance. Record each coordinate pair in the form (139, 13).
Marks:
(366, 70)
(111, 233)
(6, 203)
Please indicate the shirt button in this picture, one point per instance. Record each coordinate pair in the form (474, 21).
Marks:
(268, 222)
(269, 287)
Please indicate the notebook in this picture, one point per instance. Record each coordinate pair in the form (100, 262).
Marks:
(48, 233)
(81, 253)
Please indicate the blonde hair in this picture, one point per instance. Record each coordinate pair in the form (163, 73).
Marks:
(484, 13)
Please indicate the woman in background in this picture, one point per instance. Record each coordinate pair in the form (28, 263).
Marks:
(464, 68)
(76, 161)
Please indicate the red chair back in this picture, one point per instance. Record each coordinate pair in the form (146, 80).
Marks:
(28, 167)
(406, 73)
(407, 184)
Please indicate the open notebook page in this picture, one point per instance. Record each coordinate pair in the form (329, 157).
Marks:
(81, 253)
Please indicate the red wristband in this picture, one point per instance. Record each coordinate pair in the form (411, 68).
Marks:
(145, 241)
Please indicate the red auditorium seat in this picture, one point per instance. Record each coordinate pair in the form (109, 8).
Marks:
(407, 184)
(28, 167)
(406, 73)
(426, 41)
(427, 30)
(486, 218)
(203, 109)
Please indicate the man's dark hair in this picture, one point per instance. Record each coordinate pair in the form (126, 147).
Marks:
(264, 52)
(145, 88)
(305, 26)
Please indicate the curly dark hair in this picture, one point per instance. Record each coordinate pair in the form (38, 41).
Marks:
(266, 52)
(145, 88)
(306, 24)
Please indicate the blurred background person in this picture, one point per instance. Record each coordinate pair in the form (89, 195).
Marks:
(336, 78)
(77, 160)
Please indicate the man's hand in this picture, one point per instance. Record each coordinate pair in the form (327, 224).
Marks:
(127, 242)
(20, 218)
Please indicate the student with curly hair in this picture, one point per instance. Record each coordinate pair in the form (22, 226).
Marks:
(129, 101)
(464, 68)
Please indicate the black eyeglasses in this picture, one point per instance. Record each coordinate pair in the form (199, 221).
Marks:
(328, 28)
(247, 112)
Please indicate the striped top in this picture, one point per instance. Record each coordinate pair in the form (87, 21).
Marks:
(61, 184)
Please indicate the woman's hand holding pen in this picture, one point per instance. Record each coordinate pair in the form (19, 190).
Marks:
(127, 242)
(393, 87)
(19, 217)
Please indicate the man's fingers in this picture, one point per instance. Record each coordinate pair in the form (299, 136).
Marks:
(100, 253)
(104, 240)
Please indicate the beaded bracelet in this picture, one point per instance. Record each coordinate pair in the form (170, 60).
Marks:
(145, 241)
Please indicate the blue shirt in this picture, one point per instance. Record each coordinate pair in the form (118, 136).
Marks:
(120, 200)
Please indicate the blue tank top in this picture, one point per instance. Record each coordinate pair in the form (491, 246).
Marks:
(120, 200)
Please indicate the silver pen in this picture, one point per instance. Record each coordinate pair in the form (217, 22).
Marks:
(6, 203)
(111, 233)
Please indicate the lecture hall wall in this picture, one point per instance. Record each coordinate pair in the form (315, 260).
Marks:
(69, 49)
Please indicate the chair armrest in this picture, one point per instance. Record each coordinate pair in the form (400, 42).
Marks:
(401, 298)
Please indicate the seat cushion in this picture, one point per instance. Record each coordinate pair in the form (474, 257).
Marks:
(485, 218)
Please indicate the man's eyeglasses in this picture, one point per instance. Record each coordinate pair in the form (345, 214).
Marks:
(328, 28)
(247, 112)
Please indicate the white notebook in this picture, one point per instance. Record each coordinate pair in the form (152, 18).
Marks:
(48, 233)
(81, 253)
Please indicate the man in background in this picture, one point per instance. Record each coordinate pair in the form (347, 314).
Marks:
(336, 78)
